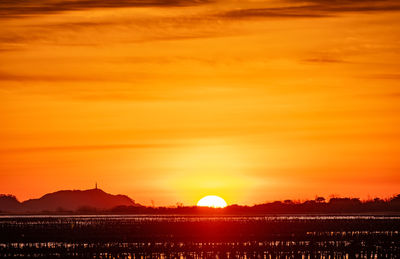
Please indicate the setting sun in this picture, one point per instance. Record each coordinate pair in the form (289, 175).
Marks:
(212, 201)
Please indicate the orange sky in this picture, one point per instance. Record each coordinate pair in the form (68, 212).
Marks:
(172, 100)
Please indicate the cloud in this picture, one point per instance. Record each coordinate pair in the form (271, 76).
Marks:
(100, 31)
(182, 26)
(54, 78)
(8, 49)
(386, 76)
(288, 9)
(314, 8)
(17, 8)
(84, 148)
(338, 6)
(324, 60)
(281, 12)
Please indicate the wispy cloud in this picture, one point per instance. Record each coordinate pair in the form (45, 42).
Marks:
(314, 8)
(324, 60)
(84, 148)
(386, 76)
(16, 8)
(281, 12)
(50, 78)
(288, 9)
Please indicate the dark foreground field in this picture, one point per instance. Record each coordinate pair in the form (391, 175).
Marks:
(200, 237)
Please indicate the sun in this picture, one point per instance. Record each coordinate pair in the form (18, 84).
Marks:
(212, 201)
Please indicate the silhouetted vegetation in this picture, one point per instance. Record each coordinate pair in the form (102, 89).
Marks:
(53, 204)
(317, 206)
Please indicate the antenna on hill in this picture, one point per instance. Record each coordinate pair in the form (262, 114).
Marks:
(95, 187)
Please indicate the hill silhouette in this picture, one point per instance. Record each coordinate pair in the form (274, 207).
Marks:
(67, 200)
(9, 203)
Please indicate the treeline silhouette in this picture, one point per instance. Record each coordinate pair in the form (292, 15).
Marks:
(318, 206)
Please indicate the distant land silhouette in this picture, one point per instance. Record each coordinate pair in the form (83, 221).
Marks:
(96, 201)
(66, 200)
